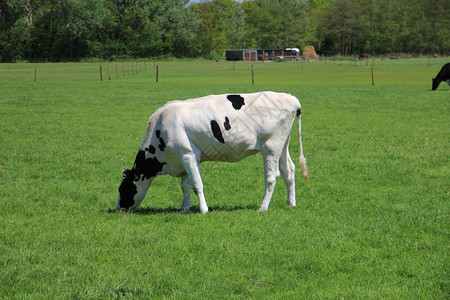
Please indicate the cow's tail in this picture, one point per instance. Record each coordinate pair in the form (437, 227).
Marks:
(301, 159)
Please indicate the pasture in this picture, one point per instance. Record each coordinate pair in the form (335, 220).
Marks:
(371, 222)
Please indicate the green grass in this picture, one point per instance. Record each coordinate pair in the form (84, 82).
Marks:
(371, 222)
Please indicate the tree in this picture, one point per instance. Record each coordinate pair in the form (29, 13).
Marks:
(277, 23)
(221, 27)
(436, 31)
(343, 23)
(73, 29)
(177, 26)
(130, 30)
(62, 28)
(15, 29)
(318, 31)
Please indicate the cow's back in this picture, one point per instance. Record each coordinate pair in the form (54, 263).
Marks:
(444, 73)
(257, 111)
(224, 127)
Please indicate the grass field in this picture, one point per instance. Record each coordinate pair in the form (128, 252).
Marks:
(371, 222)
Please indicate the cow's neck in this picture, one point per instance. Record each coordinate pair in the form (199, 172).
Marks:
(148, 135)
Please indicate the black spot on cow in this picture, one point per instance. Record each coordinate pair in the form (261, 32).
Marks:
(217, 132)
(299, 112)
(150, 149)
(148, 167)
(236, 100)
(162, 144)
(226, 124)
(152, 167)
(127, 189)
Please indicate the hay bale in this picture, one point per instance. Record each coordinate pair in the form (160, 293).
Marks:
(310, 53)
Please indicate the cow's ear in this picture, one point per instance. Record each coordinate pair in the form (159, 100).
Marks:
(130, 174)
(125, 174)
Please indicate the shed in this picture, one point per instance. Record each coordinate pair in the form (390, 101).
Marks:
(262, 54)
(243, 54)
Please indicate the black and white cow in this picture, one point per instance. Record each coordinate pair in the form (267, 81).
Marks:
(182, 134)
(443, 75)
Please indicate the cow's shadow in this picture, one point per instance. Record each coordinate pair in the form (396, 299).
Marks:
(194, 209)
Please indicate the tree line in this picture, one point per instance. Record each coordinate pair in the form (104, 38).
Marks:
(55, 30)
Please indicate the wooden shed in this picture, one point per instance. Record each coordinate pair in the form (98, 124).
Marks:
(262, 54)
(243, 54)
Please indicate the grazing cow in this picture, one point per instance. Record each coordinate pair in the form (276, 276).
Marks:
(443, 75)
(363, 56)
(182, 134)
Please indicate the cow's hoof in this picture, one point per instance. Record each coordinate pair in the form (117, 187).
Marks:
(184, 210)
(263, 209)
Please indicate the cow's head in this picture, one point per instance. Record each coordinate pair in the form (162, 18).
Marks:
(132, 190)
(435, 84)
(135, 182)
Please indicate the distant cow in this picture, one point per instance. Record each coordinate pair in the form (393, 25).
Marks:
(182, 134)
(443, 75)
(363, 56)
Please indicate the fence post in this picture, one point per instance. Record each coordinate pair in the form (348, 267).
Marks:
(373, 82)
(157, 72)
(253, 76)
(101, 75)
(35, 74)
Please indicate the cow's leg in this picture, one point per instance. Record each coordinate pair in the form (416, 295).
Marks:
(287, 168)
(186, 187)
(271, 173)
(192, 167)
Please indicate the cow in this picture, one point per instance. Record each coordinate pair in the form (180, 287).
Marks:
(363, 56)
(443, 75)
(182, 134)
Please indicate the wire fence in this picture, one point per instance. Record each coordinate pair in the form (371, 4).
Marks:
(110, 71)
